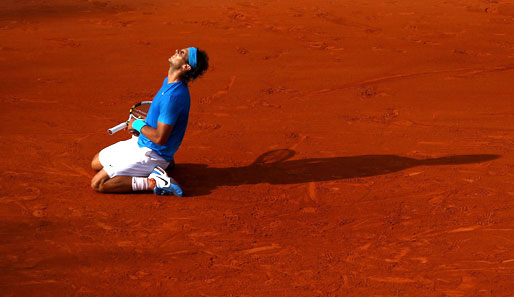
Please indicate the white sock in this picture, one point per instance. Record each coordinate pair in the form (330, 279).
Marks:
(140, 183)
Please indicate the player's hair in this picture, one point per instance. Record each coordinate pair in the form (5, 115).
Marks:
(202, 64)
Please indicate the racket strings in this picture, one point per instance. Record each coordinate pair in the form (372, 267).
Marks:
(140, 114)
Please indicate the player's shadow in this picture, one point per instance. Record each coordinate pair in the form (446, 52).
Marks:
(274, 167)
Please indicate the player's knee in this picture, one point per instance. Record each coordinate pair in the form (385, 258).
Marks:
(95, 163)
(97, 185)
(94, 185)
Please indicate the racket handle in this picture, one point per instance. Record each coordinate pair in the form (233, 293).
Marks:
(117, 128)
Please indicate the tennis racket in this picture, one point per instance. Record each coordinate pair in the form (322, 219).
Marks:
(137, 111)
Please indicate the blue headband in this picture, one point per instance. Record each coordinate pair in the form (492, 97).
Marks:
(192, 57)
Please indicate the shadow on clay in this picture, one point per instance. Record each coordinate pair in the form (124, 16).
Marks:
(274, 167)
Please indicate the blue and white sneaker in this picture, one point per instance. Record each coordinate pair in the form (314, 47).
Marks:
(164, 185)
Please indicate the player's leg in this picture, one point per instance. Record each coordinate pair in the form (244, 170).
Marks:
(158, 182)
(118, 184)
(95, 163)
(126, 167)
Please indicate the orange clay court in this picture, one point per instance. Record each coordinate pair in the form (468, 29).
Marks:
(334, 148)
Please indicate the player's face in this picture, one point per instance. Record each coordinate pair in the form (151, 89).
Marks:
(180, 58)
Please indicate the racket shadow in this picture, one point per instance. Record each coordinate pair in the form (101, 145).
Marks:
(275, 167)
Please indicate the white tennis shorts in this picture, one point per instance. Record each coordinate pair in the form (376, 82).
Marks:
(126, 158)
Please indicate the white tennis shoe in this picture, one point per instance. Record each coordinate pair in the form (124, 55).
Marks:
(164, 185)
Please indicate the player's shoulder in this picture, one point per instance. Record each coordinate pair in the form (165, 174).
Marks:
(179, 94)
(181, 89)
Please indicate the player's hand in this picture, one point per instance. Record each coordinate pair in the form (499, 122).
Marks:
(130, 129)
(129, 123)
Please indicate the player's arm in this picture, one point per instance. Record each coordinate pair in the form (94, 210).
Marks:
(157, 135)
